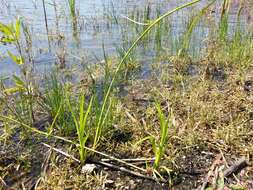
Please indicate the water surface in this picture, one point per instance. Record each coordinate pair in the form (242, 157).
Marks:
(100, 23)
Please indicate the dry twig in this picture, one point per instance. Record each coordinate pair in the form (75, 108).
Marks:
(237, 167)
(112, 166)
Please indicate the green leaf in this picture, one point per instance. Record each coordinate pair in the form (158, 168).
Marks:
(18, 81)
(6, 39)
(143, 140)
(19, 86)
(17, 59)
(237, 187)
(17, 29)
(6, 30)
(14, 90)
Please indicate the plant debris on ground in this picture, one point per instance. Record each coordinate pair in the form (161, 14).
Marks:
(188, 124)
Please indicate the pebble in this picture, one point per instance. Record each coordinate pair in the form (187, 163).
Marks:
(88, 168)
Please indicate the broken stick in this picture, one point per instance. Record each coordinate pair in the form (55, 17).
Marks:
(115, 167)
(237, 167)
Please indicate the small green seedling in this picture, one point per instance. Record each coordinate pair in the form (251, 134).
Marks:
(82, 131)
(159, 145)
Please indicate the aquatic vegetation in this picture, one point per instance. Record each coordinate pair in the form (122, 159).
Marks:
(72, 7)
(11, 34)
(55, 102)
(177, 82)
(187, 36)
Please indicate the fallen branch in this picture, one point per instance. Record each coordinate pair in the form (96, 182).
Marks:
(213, 172)
(62, 152)
(237, 167)
(133, 173)
(131, 160)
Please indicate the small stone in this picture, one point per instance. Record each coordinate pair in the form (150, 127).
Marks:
(88, 168)
(109, 182)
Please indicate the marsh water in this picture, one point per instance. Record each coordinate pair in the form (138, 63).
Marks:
(103, 27)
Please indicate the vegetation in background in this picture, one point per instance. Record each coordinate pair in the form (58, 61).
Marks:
(73, 15)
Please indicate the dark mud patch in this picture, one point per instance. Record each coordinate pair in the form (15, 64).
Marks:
(20, 165)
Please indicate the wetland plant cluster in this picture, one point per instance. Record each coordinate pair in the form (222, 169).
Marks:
(195, 101)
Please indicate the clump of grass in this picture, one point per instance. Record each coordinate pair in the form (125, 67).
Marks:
(183, 51)
(55, 103)
(82, 130)
(165, 125)
(230, 45)
(223, 25)
(159, 145)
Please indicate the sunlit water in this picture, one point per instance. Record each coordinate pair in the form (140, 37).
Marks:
(101, 22)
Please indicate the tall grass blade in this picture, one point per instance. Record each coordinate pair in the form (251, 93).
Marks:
(135, 43)
(80, 124)
(72, 7)
(193, 24)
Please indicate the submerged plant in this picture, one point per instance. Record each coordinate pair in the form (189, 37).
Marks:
(46, 22)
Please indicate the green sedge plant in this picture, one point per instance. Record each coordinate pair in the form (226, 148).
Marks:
(159, 145)
(55, 103)
(80, 121)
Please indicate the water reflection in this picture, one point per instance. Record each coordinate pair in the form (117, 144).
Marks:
(100, 22)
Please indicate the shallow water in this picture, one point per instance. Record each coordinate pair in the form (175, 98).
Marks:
(101, 22)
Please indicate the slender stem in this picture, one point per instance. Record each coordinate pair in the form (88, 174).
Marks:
(131, 49)
(45, 18)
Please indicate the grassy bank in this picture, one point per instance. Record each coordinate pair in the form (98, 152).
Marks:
(178, 127)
